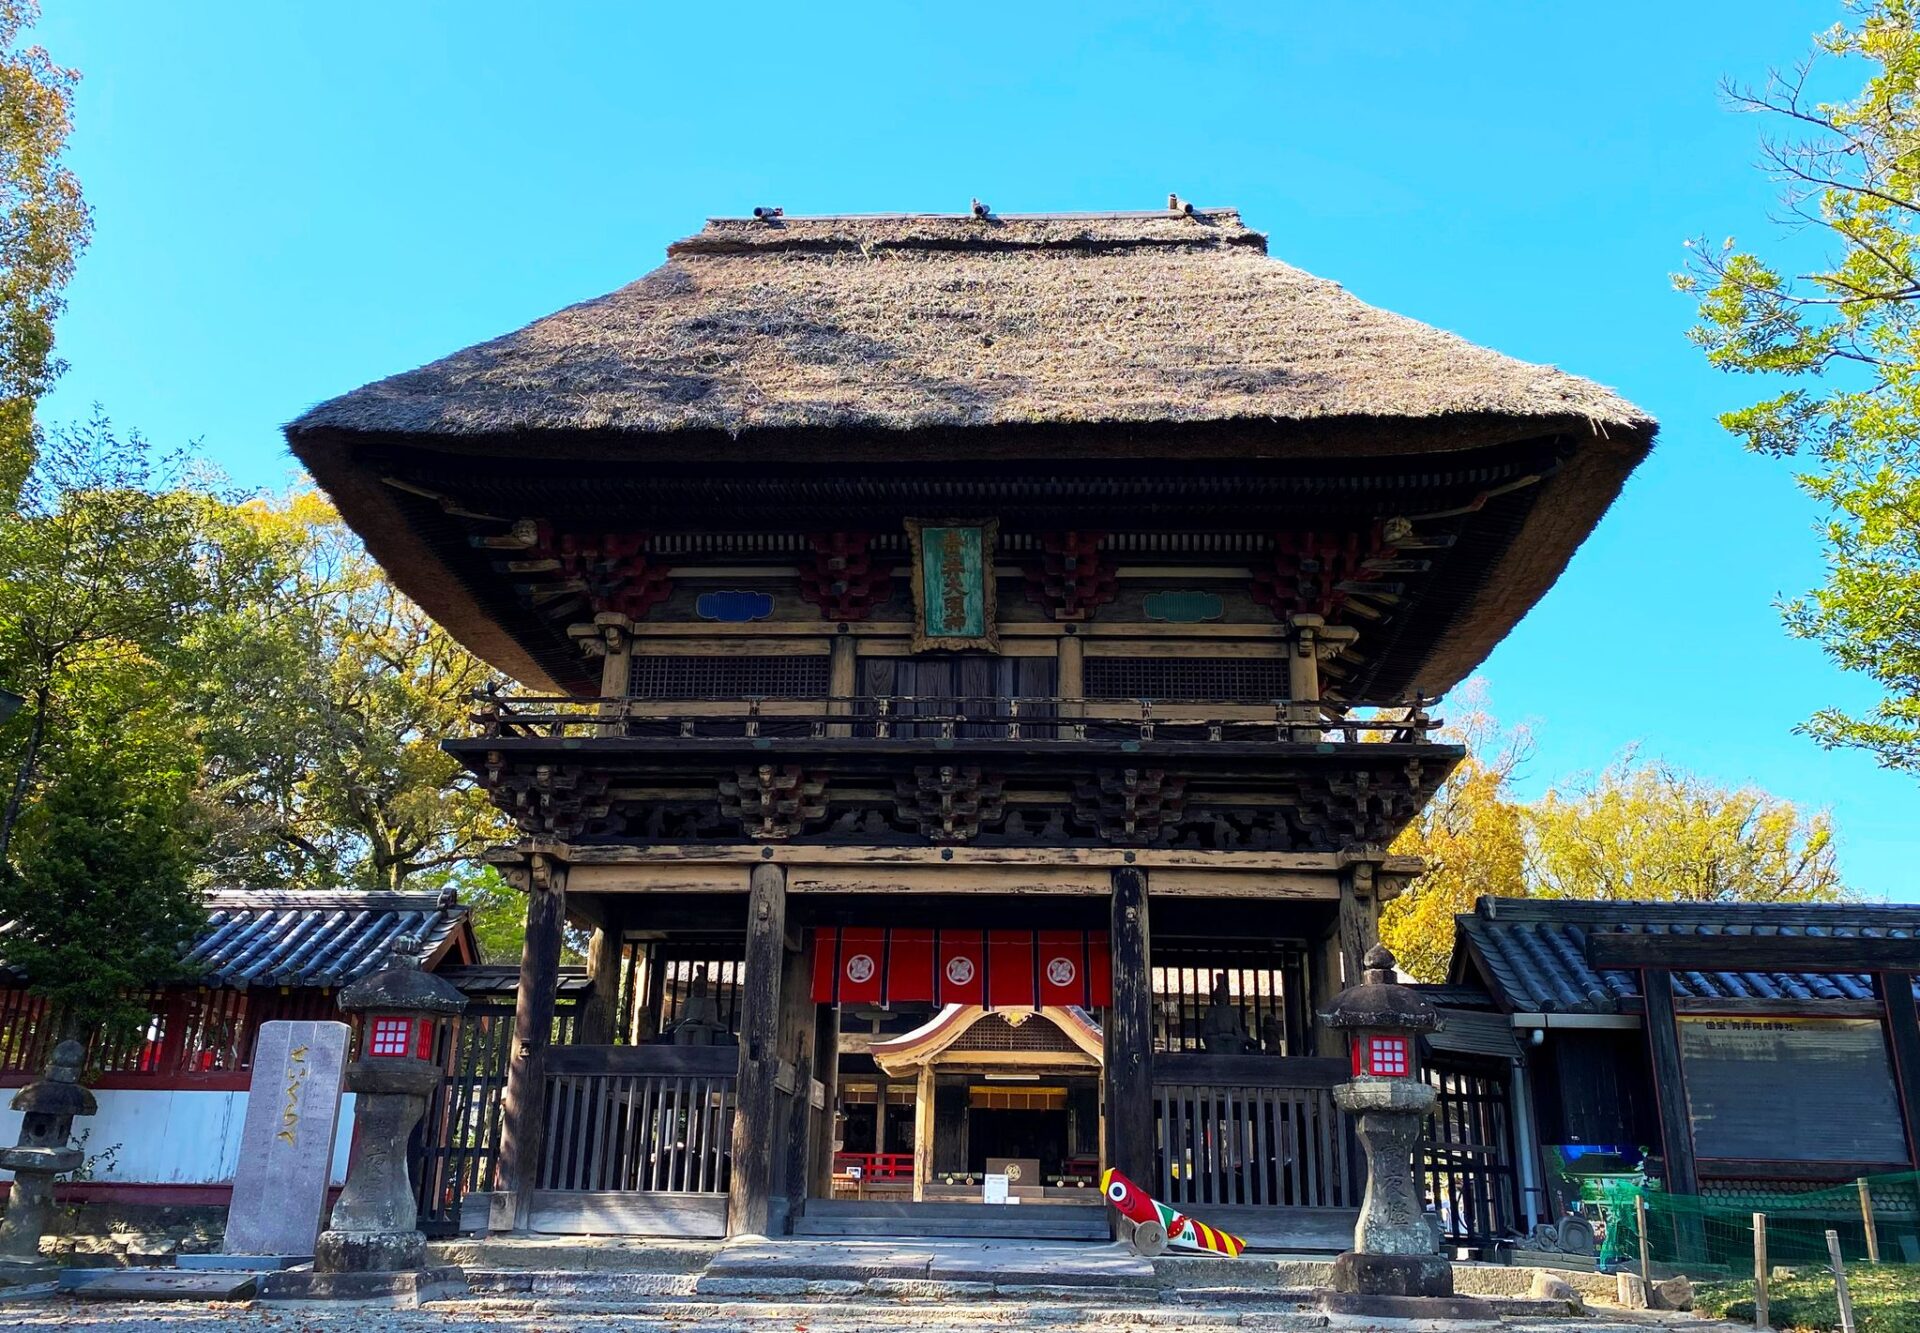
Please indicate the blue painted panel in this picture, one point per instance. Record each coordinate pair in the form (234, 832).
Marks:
(734, 607)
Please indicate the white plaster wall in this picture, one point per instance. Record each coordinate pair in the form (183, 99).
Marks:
(171, 1137)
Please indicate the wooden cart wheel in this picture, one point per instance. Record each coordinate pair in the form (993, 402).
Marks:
(1149, 1240)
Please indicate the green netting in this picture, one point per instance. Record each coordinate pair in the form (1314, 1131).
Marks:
(1713, 1233)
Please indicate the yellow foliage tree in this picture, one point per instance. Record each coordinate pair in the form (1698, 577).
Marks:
(1638, 831)
(1645, 831)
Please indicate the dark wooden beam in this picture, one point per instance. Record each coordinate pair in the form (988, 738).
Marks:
(750, 1188)
(1753, 1007)
(523, 1113)
(1129, 1036)
(1669, 1083)
(1752, 953)
(1772, 1168)
(1903, 1034)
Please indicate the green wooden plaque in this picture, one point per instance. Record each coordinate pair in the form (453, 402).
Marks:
(953, 584)
(1183, 607)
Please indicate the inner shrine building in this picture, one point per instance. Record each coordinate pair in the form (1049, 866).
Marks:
(971, 670)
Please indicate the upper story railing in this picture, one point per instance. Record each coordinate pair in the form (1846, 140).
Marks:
(906, 718)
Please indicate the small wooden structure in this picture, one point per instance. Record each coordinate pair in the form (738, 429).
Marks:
(1749, 1049)
(1051, 578)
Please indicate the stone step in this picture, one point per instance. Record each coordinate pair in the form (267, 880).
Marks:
(957, 1228)
(164, 1284)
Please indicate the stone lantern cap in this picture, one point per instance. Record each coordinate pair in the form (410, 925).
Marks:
(401, 987)
(59, 1093)
(1381, 1002)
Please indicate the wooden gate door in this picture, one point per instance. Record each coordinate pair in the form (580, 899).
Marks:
(1466, 1155)
(459, 1136)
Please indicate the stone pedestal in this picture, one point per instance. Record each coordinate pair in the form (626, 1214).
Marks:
(374, 1227)
(1393, 1252)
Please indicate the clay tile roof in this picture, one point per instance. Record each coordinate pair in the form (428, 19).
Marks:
(1532, 953)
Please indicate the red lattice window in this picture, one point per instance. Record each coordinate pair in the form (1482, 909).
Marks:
(1387, 1056)
(390, 1036)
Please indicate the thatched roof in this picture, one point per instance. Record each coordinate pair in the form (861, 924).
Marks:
(1149, 340)
(905, 323)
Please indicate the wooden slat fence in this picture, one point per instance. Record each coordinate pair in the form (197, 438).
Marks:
(1252, 1131)
(645, 1118)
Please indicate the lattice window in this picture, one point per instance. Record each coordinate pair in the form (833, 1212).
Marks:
(789, 677)
(1214, 679)
(390, 1036)
(1387, 1056)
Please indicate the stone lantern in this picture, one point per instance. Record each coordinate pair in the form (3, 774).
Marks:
(43, 1152)
(1394, 1250)
(374, 1228)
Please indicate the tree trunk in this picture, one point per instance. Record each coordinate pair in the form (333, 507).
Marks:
(24, 778)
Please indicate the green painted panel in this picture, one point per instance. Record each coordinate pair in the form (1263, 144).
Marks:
(1183, 608)
(953, 582)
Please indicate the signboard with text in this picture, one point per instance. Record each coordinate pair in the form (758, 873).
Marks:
(1746, 1078)
(954, 590)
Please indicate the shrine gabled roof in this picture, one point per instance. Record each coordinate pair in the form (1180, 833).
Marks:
(1531, 953)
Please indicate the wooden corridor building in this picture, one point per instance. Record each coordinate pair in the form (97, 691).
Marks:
(942, 625)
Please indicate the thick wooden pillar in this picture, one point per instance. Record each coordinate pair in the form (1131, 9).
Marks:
(880, 1115)
(794, 1111)
(923, 1134)
(1359, 918)
(603, 970)
(1903, 1035)
(1129, 1037)
(750, 1188)
(653, 1006)
(523, 1114)
(826, 1073)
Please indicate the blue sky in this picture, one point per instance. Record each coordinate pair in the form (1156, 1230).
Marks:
(293, 200)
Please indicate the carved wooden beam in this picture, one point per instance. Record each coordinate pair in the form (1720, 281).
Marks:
(843, 580)
(1069, 578)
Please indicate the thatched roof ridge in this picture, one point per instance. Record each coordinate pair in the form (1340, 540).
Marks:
(913, 322)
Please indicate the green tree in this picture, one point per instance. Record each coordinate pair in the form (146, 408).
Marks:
(1650, 832)
(323, 705)
(102, 903)
(105, 576)
(1834, 316)
(1471, 836)
(44, 225)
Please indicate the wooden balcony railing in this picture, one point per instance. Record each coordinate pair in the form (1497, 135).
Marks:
(905, 717)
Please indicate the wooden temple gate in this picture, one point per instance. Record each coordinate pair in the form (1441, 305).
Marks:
(875, 625)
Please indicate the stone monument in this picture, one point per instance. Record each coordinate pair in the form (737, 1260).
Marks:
(44, 1151)
(373, 1244)
(286, 1144)
(1394, 1267)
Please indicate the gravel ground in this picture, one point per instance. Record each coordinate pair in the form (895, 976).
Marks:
(758, 1317)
